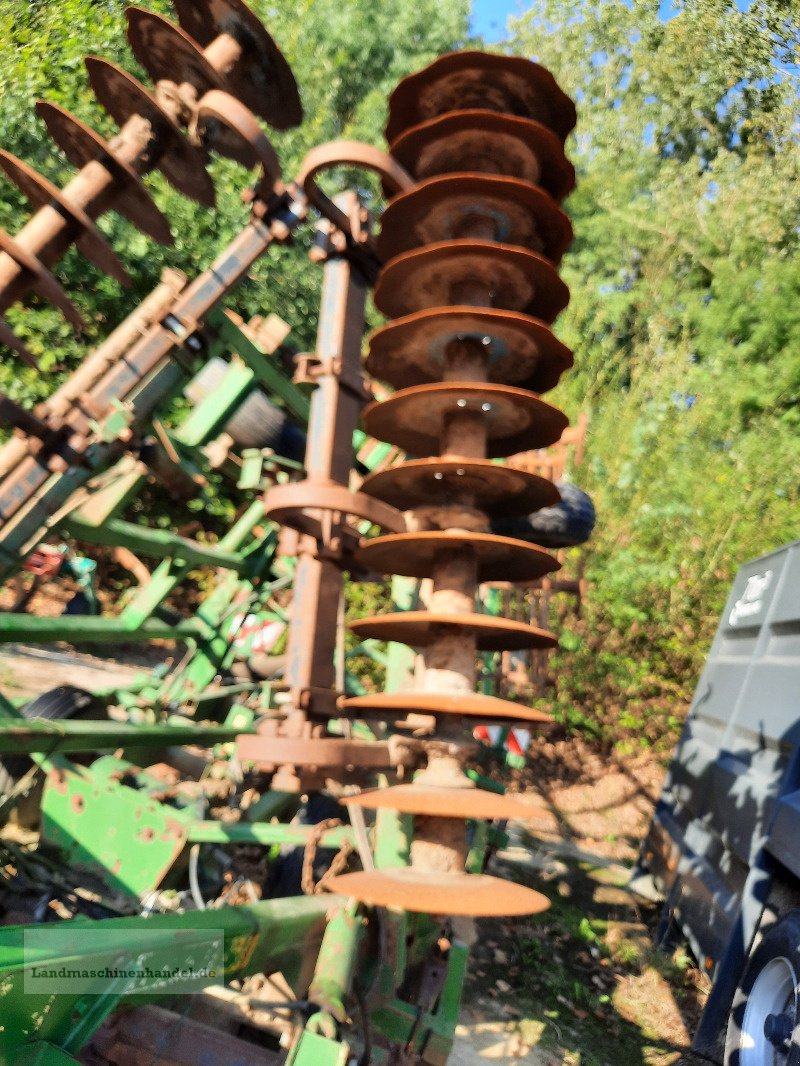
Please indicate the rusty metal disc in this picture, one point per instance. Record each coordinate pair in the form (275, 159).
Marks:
(487, 143)
(414, 555)
(520, 350)
(506, 84)
(425, 892)
(482, 273)
(420, 629)
(43, 282)
(123, 96)
(167, 53)
(81, 145)
(434, 801)
(260, 76)
(497, 490)
(478, 206)
(515, 419)
(42, 193)
(387, 705)
(320, 752)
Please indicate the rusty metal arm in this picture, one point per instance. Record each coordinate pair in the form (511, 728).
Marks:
(348, 154)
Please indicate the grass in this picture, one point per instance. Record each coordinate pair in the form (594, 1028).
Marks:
(582, 983)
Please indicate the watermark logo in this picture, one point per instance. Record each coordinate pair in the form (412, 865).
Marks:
(94, 961)
(751, 600)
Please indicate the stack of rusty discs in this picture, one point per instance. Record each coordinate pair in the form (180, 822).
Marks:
(471, 287)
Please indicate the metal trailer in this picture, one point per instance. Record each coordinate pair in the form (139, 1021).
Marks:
(723, 843)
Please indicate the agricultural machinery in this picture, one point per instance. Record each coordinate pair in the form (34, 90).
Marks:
(253, 851)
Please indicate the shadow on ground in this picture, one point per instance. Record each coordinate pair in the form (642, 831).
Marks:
(581, 984)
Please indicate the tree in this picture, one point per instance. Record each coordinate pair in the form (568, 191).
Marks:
(685, 324)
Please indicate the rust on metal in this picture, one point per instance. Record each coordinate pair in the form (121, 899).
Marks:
(498, 558)
(483, 273)
(425, 892)
(42, 193)
(434, 801)
(468, 362)
(82, 146)
(515, 420)
(487, 143)
(9, 338)
(506, 84)
(42, 281)
(514, 348)
(229, 128)
(123, 97)
(303, 504)
(169, 54)
(314, 752)
(497, 490)
(422, 628)
(352, 154)
(416, 702)
(237, 45)
(482, 206)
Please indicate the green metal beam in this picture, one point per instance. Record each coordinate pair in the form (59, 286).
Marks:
(262, 368)
(14, 627)
(265, 834)
(277, 935)
(27, 736)
(154, 543)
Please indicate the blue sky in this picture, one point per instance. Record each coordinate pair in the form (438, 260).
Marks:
(489, 16)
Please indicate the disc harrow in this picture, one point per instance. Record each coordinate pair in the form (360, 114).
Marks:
(465, 268)
(482, 135)
(208, 89)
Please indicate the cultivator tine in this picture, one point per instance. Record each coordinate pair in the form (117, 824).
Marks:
(9, 338)
(470, 257)
(41, 280)
(43, 194)
(82, 147)
(127, 100)
(239, 49)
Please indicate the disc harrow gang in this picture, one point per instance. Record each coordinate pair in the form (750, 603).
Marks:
(212, 75)
(465, 268)
(481, 230)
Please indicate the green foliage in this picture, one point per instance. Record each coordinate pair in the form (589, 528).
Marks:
(347, 55)
(685, 322)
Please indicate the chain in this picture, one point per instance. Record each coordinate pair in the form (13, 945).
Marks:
(337, 865)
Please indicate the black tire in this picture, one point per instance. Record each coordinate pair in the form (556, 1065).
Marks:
(65, 701)
(564, 525)
(257, 422)
(764, 1023)
(57, 704)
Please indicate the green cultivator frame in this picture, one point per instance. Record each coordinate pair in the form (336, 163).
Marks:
(248, 854)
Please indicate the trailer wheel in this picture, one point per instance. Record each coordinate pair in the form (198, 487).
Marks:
(566, 524)
(764, 1024)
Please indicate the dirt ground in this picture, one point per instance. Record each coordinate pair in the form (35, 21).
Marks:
(578, 985)
(581, 984)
